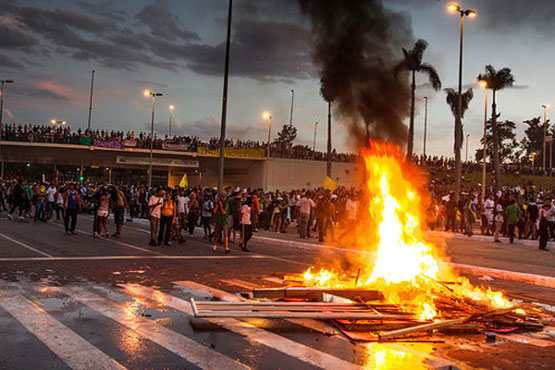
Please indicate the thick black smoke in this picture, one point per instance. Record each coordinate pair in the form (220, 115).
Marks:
(357, 45)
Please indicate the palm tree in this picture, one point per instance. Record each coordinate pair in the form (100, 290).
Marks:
(452, 100)
(412, 62)
(496, 80)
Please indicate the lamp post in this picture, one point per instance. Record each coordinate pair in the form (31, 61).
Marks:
(90, 102)
(58, 123)
(2, 82)
(484, 84)
(314, 142)
(425, 123)
(170, 123)
(154, 95)
(469, 13)
(466, 154)
(545, 106)
(292, 102)
(268, 116)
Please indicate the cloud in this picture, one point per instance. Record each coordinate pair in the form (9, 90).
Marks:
(261, 50)
(14, 34)
(38, 92)
(7, 62)
(162, 22)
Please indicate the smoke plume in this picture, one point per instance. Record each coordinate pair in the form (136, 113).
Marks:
(357, 45)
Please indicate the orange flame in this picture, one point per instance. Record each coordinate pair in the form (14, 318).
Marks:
(407, 268)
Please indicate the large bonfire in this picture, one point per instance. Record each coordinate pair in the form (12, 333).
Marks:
(407, 269)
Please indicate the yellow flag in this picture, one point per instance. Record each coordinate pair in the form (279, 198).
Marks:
(184, 181)
(329, 184)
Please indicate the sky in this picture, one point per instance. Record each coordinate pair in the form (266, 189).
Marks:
(177, 48)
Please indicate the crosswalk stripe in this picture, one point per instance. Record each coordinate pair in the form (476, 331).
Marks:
(25, 245)
(182, 346)
(251, 332)
(75, 351)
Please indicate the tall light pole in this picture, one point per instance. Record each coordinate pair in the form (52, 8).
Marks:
(154, 95)
(425, 123)
(484, 84)
(458, 122)
(268, 116)
(292, 102)
(2, 82)
(466, 154)
(314, 142)
(545, 106)
(224, 102)
(170, 123)
(90, 102)
(328, 163)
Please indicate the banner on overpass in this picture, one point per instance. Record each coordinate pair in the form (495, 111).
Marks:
(159, 162)
(113, 143)
(233, 152)
(170, 146)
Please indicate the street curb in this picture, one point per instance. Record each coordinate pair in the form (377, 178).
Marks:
(531, 243)
(520, 277)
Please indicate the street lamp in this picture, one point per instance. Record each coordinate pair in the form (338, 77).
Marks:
(453, 7)
(545, 106)
(425, 123)
(171, 111)
(314, 143)
(154, 95)
(484, 84)
(58, 123)
(1, 122)
(268, 116)
(466, 155)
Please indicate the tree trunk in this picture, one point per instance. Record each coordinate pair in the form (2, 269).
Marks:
(495, 139)
(411, 124)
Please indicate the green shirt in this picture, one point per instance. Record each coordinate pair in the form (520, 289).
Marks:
(513, 212)
(219, 217)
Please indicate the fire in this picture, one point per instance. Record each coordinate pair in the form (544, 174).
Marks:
(406, 267)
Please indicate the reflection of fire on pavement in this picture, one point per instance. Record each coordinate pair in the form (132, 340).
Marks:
(407, 291)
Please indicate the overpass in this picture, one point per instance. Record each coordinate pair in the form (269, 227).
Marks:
(202, 169)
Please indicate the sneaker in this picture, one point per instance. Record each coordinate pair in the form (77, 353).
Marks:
(10, 216)
(74, 232)
(21, 218)
(68, 232)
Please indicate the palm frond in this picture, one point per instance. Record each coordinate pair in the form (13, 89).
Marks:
(432, 75)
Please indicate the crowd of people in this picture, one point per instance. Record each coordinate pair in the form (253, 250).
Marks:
(61, 134)
(234, 214)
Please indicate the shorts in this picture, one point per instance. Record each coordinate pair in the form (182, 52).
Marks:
(118, 215)
(102, 213)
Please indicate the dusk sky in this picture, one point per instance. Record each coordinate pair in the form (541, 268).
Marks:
(177, 47)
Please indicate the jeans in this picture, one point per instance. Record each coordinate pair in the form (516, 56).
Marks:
(544, 233)
(154, 222)
(165, 229)
(511, 232)
(303, 224)
(40, 210)
(70, 213)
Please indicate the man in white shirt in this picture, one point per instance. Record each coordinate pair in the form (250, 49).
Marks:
(181, 209)
(155, 208)
(305, 205)
(489, 206)
(50, 200)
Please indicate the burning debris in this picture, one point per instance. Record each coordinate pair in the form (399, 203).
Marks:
(406, 290)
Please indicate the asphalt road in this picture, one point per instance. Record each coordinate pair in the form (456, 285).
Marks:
(74, 301)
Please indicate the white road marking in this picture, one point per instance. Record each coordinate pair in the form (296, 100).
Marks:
(107, 258)
(251, 332)
(179, 344)
(75, 351)
(25, 245)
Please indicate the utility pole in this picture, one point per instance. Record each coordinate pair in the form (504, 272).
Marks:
(314, 142)
(2, 82)
(292, 102)
(90, 101)
(224, 103)
(328, 164)
(425, 122)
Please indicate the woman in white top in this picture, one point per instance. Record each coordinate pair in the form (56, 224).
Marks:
(498, 219)
(245, 223)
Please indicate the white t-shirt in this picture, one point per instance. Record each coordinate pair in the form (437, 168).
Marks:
(488, 207)
(50, 194)
(181, 204)
(499, 215)
(351, 209)
(155, 211)
(245, 215)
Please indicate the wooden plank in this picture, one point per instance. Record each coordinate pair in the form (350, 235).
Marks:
(423, 327)
(316, 293)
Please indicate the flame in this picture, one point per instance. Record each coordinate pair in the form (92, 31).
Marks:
(407, 269)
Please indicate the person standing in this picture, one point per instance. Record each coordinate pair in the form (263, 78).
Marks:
(169, 210)
(181, 201)
(194, 207)
(498, 219)
(305, 206)
(102, 212)
(221, 220)
(544, 225)
(155, 206)
(532, 212)
(206, 215)
(51, 200)
(41, 212)
(513, 213)
(119, 205)
(17, 200)
(246, 225)
(489, 209)
(72, 205)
